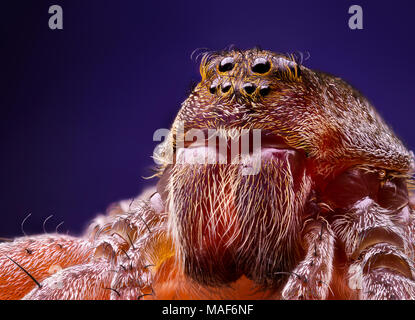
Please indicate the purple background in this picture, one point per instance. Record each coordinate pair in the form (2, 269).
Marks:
(79, 106)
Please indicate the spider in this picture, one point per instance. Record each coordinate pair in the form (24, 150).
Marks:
(274, 182)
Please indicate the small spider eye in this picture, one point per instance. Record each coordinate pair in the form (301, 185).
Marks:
(382, 174)
(226, 64)
(249, 88)
(287, 70)
(264, 90)
(226, 87)
(295, 69)
(261, 65)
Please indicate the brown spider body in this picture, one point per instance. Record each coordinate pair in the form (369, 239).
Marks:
(327, 216)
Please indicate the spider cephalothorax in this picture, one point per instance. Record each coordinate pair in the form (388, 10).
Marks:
(318, 209)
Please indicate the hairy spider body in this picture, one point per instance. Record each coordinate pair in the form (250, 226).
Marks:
(327, 215)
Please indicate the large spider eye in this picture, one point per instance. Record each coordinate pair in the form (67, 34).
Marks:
(261, 65)
(226, 64)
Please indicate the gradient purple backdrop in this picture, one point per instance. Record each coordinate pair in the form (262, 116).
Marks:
(79, 106)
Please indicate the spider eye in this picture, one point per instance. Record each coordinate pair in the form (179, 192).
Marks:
(226, 87)
(261, 65)
(226, 64)
(295, 69)
(264, 90)
(287, 69)
(249, 88)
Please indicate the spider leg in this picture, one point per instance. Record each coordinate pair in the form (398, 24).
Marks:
(28, 260)
(379, 248)
(311, 278)
(89, 281)
(55, 266)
